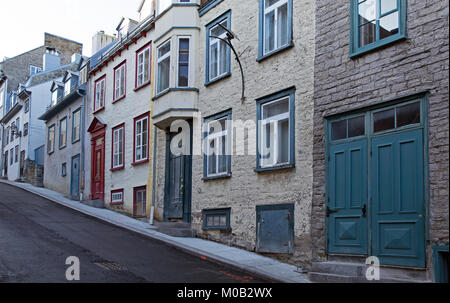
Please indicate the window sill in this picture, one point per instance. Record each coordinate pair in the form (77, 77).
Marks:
(228, 74)
(98, 110)
(50, 153)
(274, 168)
(377, 45)
(221, 229)
(76, 141)
(62, 147)
(274, 52)
(174, 89)
(118, 99)
(142, 86)
(116, 203)
(117, 168)
(220, 177)
(139, 162)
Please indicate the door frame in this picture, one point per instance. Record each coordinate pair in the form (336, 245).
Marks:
(97, 129)
(368, 111)
(187, 199)
(71, 175)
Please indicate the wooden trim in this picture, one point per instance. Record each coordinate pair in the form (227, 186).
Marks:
(123, 147)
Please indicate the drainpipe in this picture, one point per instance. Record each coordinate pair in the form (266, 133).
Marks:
(152, 209)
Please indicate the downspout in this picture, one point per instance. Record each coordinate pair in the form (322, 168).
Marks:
(152, 209)
(83, 106)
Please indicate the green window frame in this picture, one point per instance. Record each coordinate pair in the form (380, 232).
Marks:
(76, 128)
(62, 133)
(217, 219)
(51, 139)
(377, 17)
(214, 121)
(264, 104)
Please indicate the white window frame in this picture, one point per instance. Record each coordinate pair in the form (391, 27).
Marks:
(67, 87)
(216, 137)
(117, 144)
(221, 44)
(159, 60)
(118, 72)
(55, 97)
(138, 137)
(35, 70)
(76, 126)
(117, 200)
(267, 10)
(99, 97)
(61, 121)
(275, 123)
(188, 62)
(145, 66)
(51, 147)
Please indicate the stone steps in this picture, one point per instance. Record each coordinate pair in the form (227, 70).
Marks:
(350, 272)
(175, 229)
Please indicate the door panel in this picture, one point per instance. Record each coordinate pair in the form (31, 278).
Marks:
(98, 169)
(347, 198)
(175, 182)
(398, 199)
(75, 177)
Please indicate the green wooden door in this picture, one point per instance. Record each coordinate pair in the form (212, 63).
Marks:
(347, 198)
(398, 215)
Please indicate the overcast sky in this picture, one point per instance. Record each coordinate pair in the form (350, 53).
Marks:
(24, 22)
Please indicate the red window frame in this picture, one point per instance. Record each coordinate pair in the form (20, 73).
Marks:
(96, 110)
(123, 148)
(138, 52)
(124, 62)
(116, 191)
(135, 189)
(146, 115)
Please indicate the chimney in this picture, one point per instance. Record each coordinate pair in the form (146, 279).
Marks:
(100, 40)
(51, 59)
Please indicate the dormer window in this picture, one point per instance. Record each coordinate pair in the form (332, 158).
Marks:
(34, 70)
(67, 87)
(54, 97)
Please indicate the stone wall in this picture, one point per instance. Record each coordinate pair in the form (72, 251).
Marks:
(419, 63)
(246, 189)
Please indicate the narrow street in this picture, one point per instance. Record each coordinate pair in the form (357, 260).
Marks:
(37, 235)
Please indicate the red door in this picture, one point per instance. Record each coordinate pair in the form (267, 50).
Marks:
(98, 168)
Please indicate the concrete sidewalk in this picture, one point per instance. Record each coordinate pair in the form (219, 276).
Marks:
(250, 262)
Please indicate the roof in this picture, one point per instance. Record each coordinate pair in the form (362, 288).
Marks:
(96, 58)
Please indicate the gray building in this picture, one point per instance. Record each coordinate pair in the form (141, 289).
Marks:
(381, 135)
(22, 68)
(65, 134)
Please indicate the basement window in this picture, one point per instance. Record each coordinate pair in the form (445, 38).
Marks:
(217, 219)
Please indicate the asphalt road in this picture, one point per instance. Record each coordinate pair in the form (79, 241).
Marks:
(37, 236)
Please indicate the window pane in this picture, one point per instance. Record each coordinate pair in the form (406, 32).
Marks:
(276, 108)
(164, 50)
(270, 2)
(367, 33)
(408, 114)
(223, 57)
(388, 5)
(367, 11)
(146, 65)
(389, 25)
(212, 158)
(216, 220)
(384, 120)
(356, 127)
(282, 25)
(223, 220)
(163, 74)
(269, 32)
(213, 72)
(283, 142)
(339, 130)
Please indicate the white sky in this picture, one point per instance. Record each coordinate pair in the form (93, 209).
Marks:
(24, 22)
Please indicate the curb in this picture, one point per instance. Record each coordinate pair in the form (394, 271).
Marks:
(153, 234)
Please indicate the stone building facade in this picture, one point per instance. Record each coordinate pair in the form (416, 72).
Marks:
(245, 193)
(363, 78)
